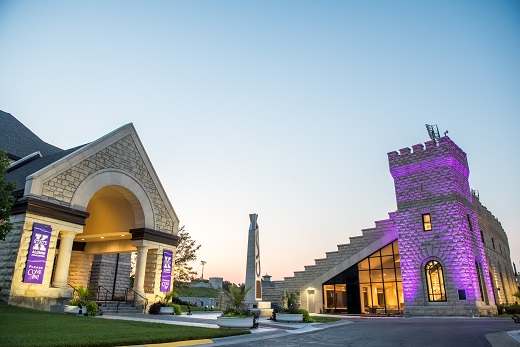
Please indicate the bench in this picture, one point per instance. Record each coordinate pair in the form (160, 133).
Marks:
(516, 318)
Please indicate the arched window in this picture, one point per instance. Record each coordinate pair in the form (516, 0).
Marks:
(435, 281)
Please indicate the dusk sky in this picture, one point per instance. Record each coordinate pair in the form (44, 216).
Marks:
(282, 108)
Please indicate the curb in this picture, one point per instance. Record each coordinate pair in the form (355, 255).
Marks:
(176, 344)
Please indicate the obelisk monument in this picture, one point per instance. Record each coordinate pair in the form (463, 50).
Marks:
(253, 269)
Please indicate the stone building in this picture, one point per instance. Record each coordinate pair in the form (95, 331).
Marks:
(78, 215)
(440, 253)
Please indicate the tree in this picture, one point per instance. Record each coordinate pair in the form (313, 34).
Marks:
(186, 252)
(6, 197)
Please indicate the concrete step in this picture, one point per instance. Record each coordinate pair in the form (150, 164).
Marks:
(124, 307)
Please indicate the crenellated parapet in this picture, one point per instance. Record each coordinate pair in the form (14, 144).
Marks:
(433, 170)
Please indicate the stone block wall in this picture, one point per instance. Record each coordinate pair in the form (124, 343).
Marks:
(79, 269)
(424, 174)
(151, 276)
(14, 252)
(8, 256)
(104, 273)
(301, 279)
(435, 181)
(496, 246)
(121, 155)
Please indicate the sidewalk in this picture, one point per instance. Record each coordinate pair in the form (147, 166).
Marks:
(267, 329)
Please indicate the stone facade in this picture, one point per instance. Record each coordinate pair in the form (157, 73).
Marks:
(121, 155)
(80, 269)
(15, 250)
(496, 246)
(107, 268)
(57, 194)
(8, 257)
(308, 283)
(434, 181)
(465, 238)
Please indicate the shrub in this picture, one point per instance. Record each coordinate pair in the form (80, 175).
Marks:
(80, 296)
(306, 317)
(517, 294)
(176, 309)
(169, 297)
(291, 306)
(290, 303)
(236, 298)
(155, 308)
(92, 308)
(510, 309)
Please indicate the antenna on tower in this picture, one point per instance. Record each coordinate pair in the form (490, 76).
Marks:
(433, 131)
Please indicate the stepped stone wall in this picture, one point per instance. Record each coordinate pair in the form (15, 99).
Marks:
(334, 262)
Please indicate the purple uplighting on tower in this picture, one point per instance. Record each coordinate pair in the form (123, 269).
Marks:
(437, 221)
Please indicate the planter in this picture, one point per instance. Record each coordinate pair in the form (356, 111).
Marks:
(289, 317)
(166, 310)
(235, 323)
(74, 309)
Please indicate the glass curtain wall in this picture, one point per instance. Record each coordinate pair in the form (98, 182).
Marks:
(373, 285)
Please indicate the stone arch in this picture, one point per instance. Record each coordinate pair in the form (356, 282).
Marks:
(131, 189)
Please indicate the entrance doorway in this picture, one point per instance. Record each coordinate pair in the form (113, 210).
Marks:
(372, 286)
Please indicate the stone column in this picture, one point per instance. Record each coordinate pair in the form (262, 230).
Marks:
(140, 269)
(61, 273)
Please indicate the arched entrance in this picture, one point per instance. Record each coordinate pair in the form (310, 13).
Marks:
(113, 210)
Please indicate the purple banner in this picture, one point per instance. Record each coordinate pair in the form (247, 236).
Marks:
(166, 275)
(35, 266)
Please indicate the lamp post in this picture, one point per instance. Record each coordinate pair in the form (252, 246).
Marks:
(203, 262)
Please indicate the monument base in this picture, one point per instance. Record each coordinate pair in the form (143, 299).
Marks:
(265, 308)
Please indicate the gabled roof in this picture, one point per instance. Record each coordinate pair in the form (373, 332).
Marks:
(19, 175)
(18, 141)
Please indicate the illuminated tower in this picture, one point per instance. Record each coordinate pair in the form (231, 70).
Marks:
(443, 264)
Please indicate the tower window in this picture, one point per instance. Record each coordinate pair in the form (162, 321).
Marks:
(482, 236)
(500, 246)
(469, 223)
(493, 243)
(435, 281)
(426, 222)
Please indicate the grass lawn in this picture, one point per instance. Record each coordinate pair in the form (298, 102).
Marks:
(323, 319)
(26, 327)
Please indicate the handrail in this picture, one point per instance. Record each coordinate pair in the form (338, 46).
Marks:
(145, 299)
(74, 290)
(106, 294)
